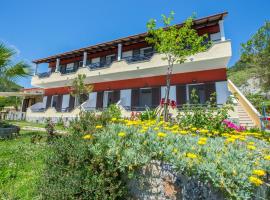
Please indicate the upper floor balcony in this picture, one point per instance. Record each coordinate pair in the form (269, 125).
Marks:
(144, 64)
(131, 57)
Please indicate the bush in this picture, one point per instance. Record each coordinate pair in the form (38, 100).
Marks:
(96, 165)
(209, 116)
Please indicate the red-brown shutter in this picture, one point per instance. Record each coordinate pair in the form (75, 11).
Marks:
(116, 96)
(156, 93)
(71, 102)
(49, 101)
(100, 100)
(210, 88)
(181, 96)
(59, 102)
(135, 95)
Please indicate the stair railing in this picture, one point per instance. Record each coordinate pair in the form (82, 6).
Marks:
(245, 103)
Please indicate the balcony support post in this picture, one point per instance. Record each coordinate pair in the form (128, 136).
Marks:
(221, 29)
(84, 58)
(119, 54)
(57, 65)
(36, 69)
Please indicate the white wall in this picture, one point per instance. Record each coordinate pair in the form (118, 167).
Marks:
(65, 102)
(222, 92)
(125, 97)
(172, 95)
(92, 101)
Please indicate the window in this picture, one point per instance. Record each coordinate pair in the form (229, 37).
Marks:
(70, 67)
(147, 52)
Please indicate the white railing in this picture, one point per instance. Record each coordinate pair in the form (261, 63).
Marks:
(245, 103)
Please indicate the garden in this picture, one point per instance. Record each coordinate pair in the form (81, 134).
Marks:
(109, 157)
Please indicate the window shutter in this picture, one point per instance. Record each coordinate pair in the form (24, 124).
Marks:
(135, 95)
(155, 96)
(71, 102)
(181, 95)
(210, 88)
(59, 103)
(49, 100)
(116, 96)
(100, 99)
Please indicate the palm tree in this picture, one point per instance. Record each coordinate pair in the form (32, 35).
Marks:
(10, 72)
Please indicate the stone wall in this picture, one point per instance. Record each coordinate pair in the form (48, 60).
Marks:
(158, 181)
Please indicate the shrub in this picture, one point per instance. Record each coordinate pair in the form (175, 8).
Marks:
(209, 116)
(149, 114)
(96, 165)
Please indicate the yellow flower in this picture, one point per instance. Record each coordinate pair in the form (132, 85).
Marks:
(122, 134)
(194, 129)
(204, 131)
(162, 135)
(259, 172)
(156, 128)
(88, 137)
(255, 180)
(114, 119)
(99, 127)
(174, 150)
(191, 155)
(251, 147)
(183, 132)
(267, 157)
(202, 141)
(228, 140)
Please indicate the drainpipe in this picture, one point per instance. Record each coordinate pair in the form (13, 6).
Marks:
(119, 55)
(221, 29)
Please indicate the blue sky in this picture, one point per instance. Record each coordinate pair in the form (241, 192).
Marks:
(38, 29)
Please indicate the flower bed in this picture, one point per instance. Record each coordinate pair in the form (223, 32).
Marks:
(97, 162)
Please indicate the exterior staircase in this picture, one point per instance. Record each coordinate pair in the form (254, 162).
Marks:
(244, 119)
(244, 112)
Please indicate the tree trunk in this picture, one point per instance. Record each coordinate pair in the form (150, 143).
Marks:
(167, 92)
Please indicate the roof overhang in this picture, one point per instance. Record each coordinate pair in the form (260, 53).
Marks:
(111, 45)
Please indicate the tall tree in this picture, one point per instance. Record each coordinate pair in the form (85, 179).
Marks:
(256, 53)
(9, 71)
(80, 89)
(176, 43)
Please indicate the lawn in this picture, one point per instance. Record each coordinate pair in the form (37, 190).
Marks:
(21, 163)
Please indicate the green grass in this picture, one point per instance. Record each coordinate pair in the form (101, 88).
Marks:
(21, 164)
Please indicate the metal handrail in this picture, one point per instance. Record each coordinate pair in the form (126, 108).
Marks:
(139, 57)
(44, 74)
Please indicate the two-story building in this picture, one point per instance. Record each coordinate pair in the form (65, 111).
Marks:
(129, 71)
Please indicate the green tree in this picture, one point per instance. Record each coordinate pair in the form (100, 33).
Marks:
(9, 71)
(176, 43)
(256, 54)
(80, 89)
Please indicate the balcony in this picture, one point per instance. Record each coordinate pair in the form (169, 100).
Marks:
(142, 65)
